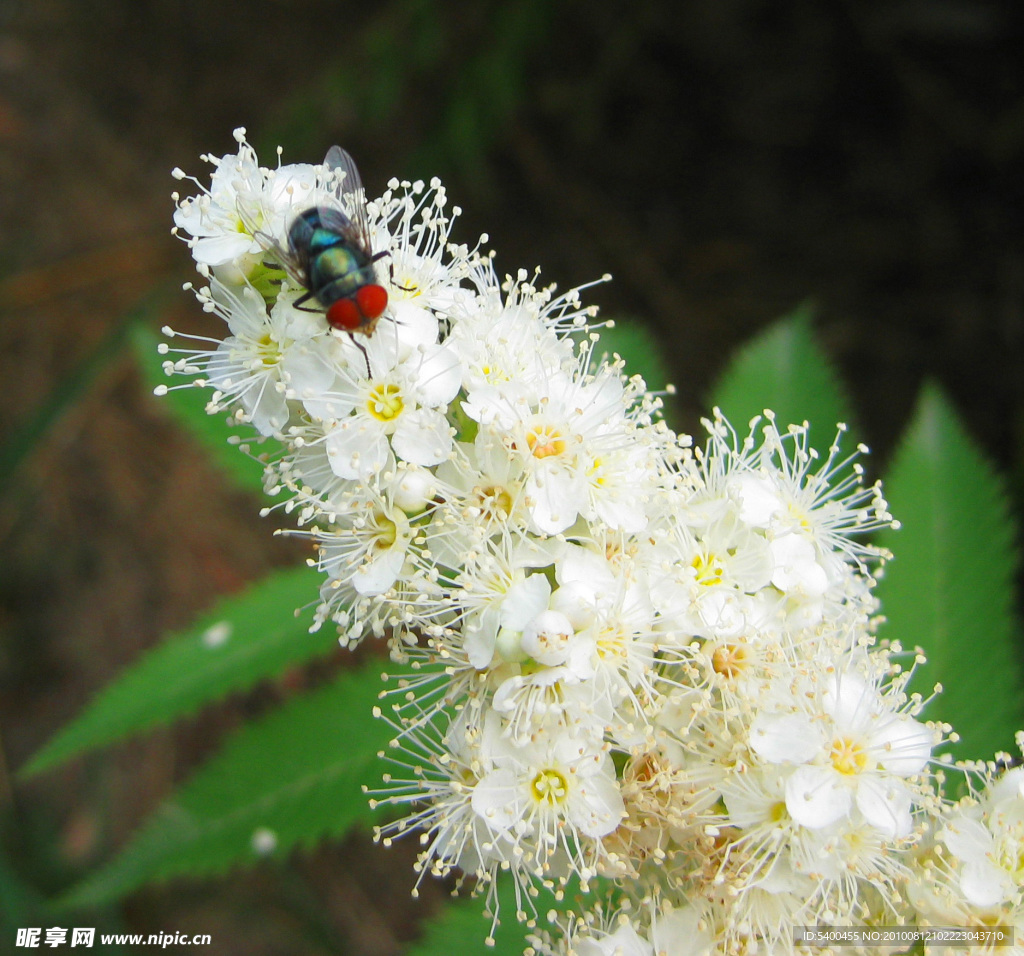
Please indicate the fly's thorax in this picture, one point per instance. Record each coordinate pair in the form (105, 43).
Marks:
(338, 272)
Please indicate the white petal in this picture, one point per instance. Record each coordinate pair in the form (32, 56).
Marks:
(967, 839)
(1008, 786)
(795, 566)
(270, 413)
(309, 376)
(597, 807)
(815, 797)
(355, 450)
(682, 932)
(496, 799)
(439, 376)
(722, 612)
(554, 499)
(381, 573)
(581, 657)
(601, 402)
(327, 407)
(757, 497)
(907, 743)
(533, 552)
(623, 942)
(621, 512)
(505, 697)
(524, 601)
(479, 637)
(852, 702)
(423, 437)
(885, 804)
(789, 738)
(984, 884)
(217, 250)
(585, 567)
(299, 325)
(415, 326)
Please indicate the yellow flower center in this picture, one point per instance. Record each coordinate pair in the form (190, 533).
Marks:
(708, 568)
(405, 287)
(268, 350)
(798, 516)
(385, 531)
(550, 787)
(848, 756)
(545, 441)
(1010, 857)
(385, 402)
(494, 373)
(495, 502)
(729, 660)
(611, 645)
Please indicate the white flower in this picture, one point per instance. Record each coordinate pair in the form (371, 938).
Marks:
(558, 434)
(212, 218)
(624, 941)
(505, 351)
(611, 612)
(702, 577)
(551, 679)
(784, 487)
(366, 547)
(399, 409)
(849, 748)
(548, 796)
(500, 603)
(456, 835)
(483, 487)
(423, 268)
(265, 360)
(988, 841)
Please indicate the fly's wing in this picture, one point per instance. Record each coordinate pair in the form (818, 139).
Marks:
(350, 220)
(252, 218)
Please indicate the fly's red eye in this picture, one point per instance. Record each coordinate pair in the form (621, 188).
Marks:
(344, 315)
(372, 300)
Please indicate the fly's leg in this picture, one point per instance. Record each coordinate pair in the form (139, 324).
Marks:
(391, 271)
(362, 348)
(305, 297)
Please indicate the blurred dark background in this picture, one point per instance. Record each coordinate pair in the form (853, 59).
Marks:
(725, 160)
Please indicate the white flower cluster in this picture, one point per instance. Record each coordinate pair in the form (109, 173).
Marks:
(617, 656)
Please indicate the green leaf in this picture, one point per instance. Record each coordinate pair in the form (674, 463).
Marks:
(783, 369)
(20, 903)
(244, 639)
(188, 407)
(949, 588)
(463, 927)
(644, 355)
(285, 781)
